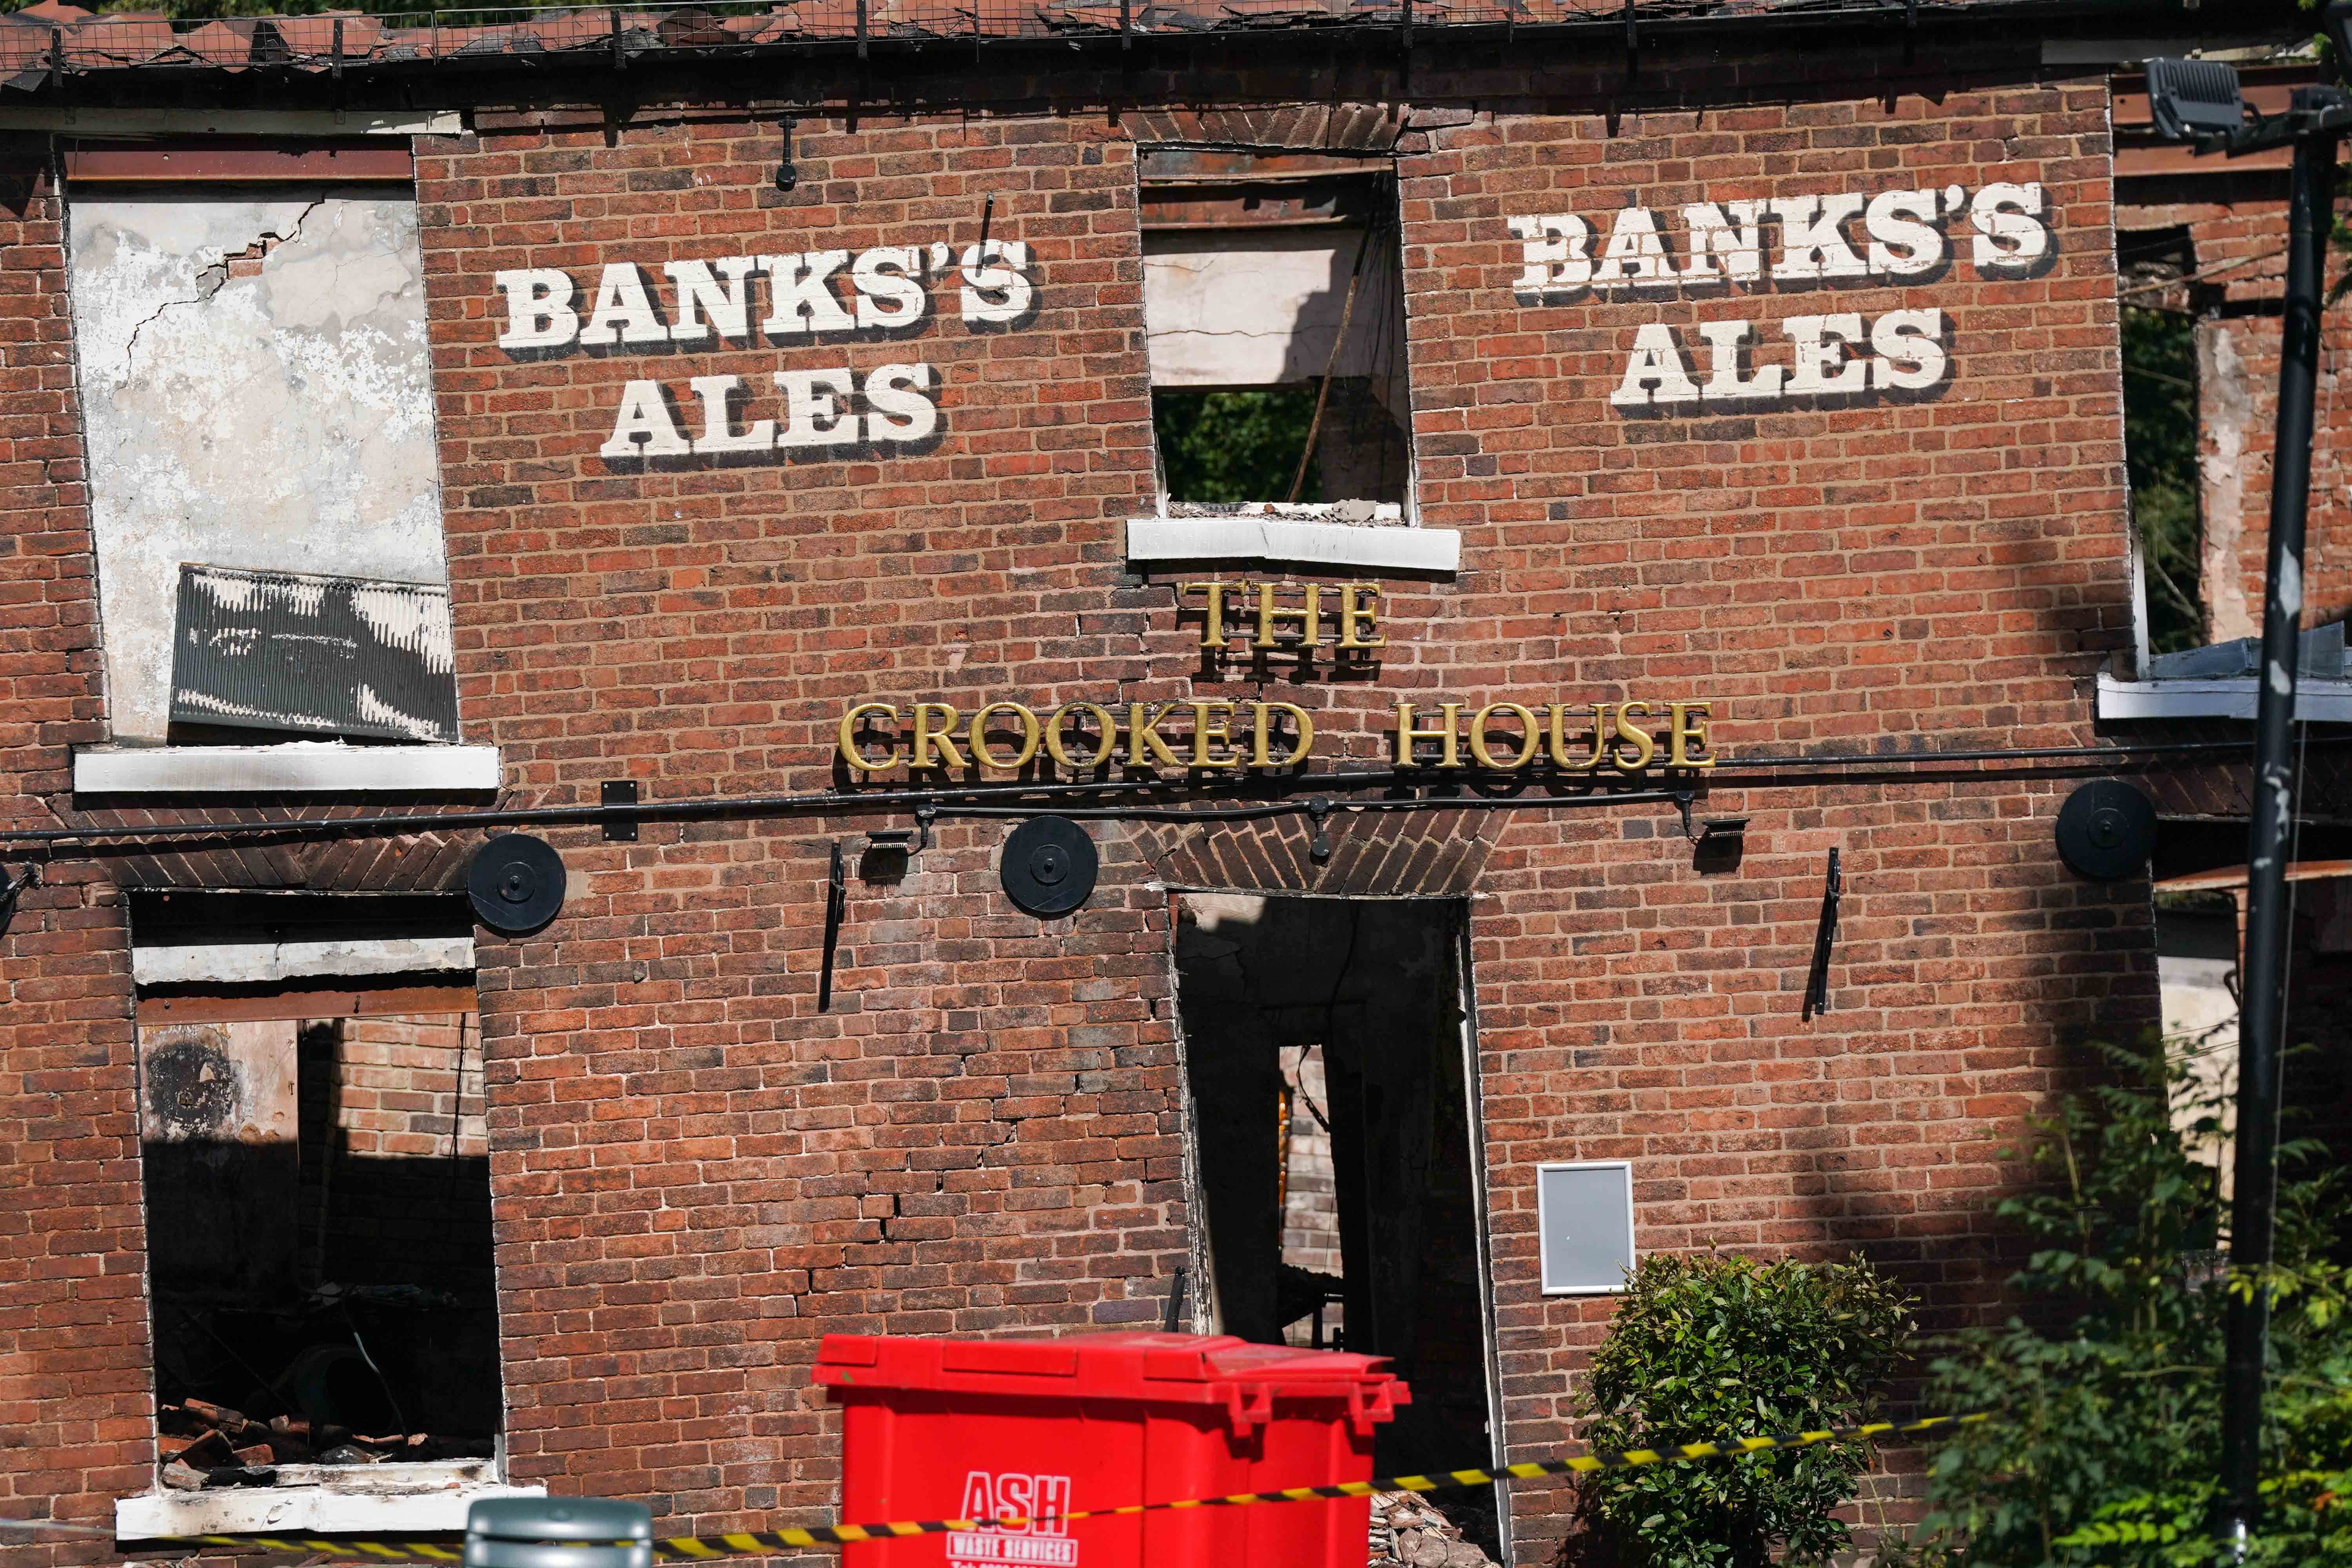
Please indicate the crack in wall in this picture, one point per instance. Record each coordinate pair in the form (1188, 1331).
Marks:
(211, 279)
(130, 344)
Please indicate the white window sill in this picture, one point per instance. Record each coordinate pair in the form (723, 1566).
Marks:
(1277, 539)
(2232, 697)
(260, 962)
(309, 767)
(323, 1499)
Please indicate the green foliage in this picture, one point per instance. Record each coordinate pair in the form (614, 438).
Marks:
(2160, 450)
(1234, 445)
(1705, 1346)
(2108, 1436)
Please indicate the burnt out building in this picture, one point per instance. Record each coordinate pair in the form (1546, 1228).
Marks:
(1314, 671)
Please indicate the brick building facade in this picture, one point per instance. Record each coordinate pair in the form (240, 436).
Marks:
(715, 1114)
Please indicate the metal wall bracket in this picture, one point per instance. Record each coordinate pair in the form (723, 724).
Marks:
(837, 905)
(1817, 980)
(619, 792)
(787, 176)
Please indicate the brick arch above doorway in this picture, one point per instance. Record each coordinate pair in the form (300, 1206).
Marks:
(1374, 854)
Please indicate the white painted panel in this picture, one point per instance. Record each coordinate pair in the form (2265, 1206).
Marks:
(274, 411)
(297, 767)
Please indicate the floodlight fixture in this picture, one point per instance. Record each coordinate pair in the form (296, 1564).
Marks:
(2187, 99)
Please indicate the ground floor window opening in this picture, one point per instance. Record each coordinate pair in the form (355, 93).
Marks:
(1339, 1199)
(319, 1246)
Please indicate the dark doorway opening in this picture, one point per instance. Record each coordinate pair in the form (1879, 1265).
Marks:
(1325, 1049)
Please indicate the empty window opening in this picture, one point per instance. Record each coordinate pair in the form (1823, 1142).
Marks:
(317, 1183)
(2160, 432)
(1275, 310)
(1339, 1199)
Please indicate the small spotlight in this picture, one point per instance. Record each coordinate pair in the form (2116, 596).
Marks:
(12, 888)
(1722, 841)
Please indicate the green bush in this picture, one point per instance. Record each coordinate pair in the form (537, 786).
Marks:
(2106, 1439)
(1707, 1346)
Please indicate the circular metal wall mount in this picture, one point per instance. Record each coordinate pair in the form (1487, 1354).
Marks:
(1049, 866)
(516, 883)
(2106, 830)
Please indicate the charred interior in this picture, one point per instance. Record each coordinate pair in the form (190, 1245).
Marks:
(318, 1201)
(1325, 1050)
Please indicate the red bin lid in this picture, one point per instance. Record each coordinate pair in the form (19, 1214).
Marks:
(1186, 1369)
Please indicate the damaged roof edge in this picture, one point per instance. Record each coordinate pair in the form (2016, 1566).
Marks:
(49, 45)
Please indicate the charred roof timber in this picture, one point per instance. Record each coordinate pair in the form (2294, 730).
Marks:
(56, 54)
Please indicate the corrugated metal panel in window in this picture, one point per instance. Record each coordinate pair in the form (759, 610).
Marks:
(293, 651)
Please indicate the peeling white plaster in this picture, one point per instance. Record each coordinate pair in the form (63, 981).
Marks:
(278, 420)
(259, 963)
(2225, 407)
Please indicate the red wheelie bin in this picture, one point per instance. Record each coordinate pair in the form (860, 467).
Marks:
(937, 1429)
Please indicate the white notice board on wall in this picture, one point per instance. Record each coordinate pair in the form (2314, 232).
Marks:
(1584, 1219)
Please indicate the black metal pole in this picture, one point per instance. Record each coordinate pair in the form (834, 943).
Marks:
(2260, 1042)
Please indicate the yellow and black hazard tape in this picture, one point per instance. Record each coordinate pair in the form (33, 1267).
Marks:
(766, 1543)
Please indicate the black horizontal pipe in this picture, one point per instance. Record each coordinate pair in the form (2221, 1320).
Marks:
(1035, 799)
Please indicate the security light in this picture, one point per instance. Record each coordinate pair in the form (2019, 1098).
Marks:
(2194, 98)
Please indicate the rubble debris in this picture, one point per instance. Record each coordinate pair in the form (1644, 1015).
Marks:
(1406, 1528)
(198, 1453)
(200, 1445)
(241, 1476)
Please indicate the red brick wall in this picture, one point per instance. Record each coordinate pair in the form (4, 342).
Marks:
(697, 1173)
(76, 1399)
(1947, 573)
(405, 1084)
